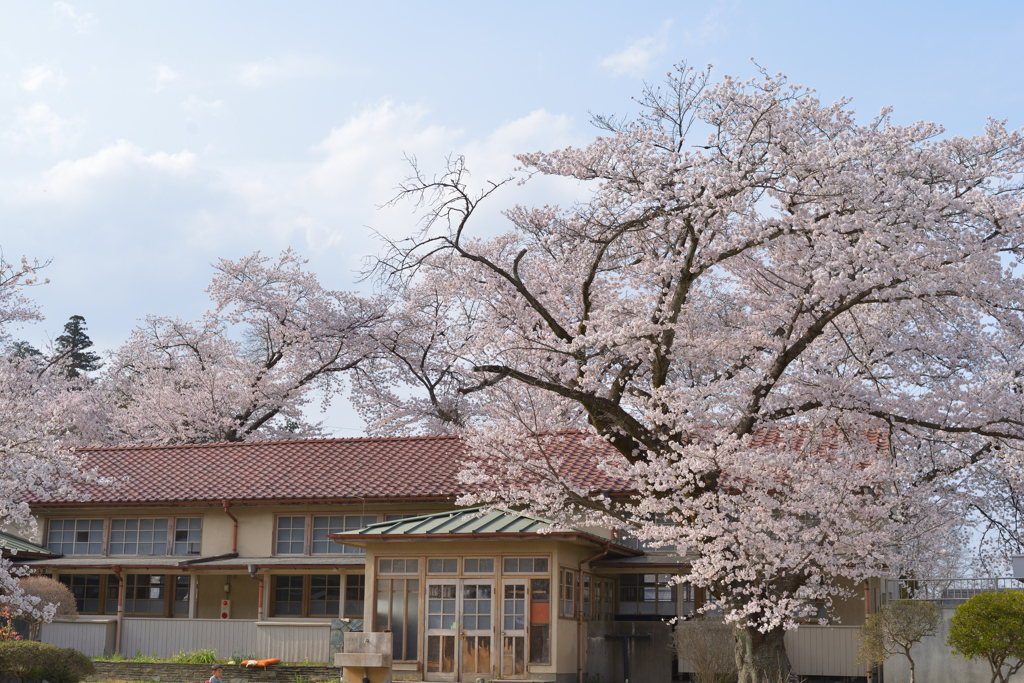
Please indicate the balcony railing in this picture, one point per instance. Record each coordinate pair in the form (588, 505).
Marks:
(947, 592)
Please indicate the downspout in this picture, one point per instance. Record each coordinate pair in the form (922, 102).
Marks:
(579, 612)
(120, 609)
(234, 534)
(259, 600)
(867, 613)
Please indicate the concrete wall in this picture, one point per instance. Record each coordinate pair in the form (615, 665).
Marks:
(934, 663)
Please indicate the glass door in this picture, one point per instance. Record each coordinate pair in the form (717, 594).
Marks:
(460, 630)
(477, 608)
(513, 629)
(442, 629)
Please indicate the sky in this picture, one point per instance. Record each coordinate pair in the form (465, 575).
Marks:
(142, 141)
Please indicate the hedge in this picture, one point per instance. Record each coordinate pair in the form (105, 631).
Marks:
(31, 661)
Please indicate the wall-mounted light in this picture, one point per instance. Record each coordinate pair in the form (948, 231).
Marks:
(227, 587)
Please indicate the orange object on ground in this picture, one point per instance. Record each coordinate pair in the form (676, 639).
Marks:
(261, 662)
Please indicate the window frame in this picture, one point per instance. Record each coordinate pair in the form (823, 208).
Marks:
(308, 537)
(103, 535)
(168, 533)
(567, 577)
(174, 532)
(307, 589)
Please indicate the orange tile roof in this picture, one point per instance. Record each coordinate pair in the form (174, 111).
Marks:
(402, 468)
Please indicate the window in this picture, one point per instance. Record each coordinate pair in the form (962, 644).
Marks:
(609, 600)
(647, 594)
(75, 536)
(144, 593)
(324, 595)
(540, 621)
(188, 535)
(86, 589)
(288, 595)
(355, 595)
(399, 566)
(443, 565)
(525, 565)
(478, 565)
(291, 535)
(588, 612)
(335, 524)
(398, 610)
(181, 592)
(567, 594)
(138, 537)
(317, 595)
(688, 595)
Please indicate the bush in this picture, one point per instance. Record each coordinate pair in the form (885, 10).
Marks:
(196, 657)
(895, 629)
(29, 660)
(990, 626)
(707, 644)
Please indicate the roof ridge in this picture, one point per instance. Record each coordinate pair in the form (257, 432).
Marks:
(239, 444)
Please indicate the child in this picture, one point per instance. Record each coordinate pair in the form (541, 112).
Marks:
(215, 674)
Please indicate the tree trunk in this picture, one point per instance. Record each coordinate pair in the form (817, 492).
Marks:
(761, 657)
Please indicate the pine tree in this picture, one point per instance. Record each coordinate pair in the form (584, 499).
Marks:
(22, 349)
(71, 349)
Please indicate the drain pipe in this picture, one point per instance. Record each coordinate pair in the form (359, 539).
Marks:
(867, 613)
(120, 608)
(253, 568)
(579, 612)
(234, 535)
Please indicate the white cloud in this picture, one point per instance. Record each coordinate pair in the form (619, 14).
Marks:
(85, 179)
(197, 108)
(162, 75)
(35, 77)
(273, 69)
(66, 13)
(38, 124)
(712, 27)
(635, 59)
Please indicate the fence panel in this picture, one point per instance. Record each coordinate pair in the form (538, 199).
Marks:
(92, 638)
(168, 637)
(294, 642)
(824, 651)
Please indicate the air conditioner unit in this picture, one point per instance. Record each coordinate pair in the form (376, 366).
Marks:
(225, 609)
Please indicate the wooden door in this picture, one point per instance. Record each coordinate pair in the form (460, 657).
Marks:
(477, 614)
(442, 630)
(513, 628)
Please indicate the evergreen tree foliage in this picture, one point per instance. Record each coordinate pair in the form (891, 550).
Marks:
(71, 349)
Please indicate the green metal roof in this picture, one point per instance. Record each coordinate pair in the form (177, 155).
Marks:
(25, 548)
(466, 522)
(469, 521)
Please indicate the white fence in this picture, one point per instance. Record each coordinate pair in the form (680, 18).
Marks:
(90, 637)
(287, 641)
(825, 651)
(947, 592)
(814, 650)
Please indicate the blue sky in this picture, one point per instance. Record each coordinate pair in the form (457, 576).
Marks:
(139, 141)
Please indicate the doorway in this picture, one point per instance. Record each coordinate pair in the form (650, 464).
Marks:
(459, 629)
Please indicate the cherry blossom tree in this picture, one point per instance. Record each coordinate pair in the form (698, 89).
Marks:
(274, 339)
(799, 336)
(43, 416)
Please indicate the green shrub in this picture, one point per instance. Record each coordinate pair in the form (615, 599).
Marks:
(196, 657)
(990, 626)
(29, 660)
